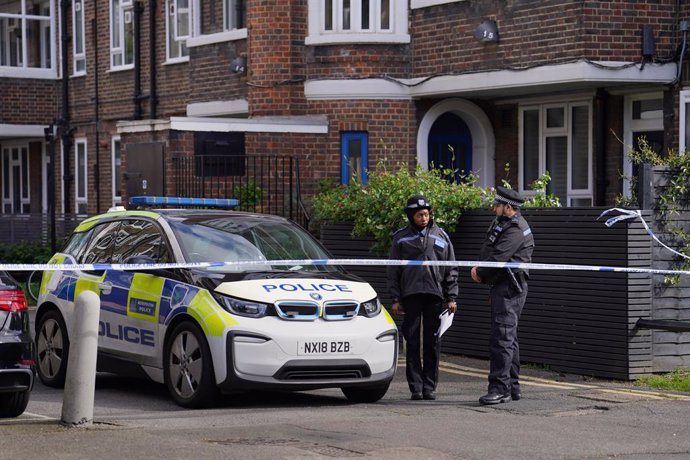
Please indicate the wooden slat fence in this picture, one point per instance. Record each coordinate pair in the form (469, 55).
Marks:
(579, 322)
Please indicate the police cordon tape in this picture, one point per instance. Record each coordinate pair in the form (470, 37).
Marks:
(625, 214)
(343, 262)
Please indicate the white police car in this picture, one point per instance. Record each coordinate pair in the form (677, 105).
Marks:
(221, 328)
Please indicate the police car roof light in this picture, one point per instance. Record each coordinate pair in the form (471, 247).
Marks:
(178, 201)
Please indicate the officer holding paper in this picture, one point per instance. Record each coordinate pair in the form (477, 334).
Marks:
(509, 239)
(422, 293)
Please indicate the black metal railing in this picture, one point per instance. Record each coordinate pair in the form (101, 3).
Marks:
(268, 184)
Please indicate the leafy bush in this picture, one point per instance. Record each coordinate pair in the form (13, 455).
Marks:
(249, 194)
(24, 252)
(377, 209)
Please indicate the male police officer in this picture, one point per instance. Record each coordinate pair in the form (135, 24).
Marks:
(422, 292)
(509, 239)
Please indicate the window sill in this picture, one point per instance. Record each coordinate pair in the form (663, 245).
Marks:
(426, 3)
(182, 60)
(220, 37)
(357, 38)
(121, 68)
(28, 72)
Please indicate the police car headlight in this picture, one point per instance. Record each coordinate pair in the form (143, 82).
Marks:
(242, 307)
(370, 308)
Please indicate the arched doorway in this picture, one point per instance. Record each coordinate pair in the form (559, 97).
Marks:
(479, 137)
(450, 145)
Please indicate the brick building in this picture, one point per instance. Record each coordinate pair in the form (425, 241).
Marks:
(131, 87)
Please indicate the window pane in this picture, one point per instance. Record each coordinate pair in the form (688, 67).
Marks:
(648, 109)
(328, 15)
(78, 27)
(115, 24)
(129, 37)
(25, 173)
(117, 163)
(557, 166)
(581, 202)
(530, 147)
(555, 117)
(580, 148)
(385, 15)
(81, 170)
(182, 18)
(346, 14)
(687, 126)
(354, 163)
(365, 15)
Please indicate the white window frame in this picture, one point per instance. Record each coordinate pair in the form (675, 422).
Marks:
(630, 126)
(125, 14)
(23, 149)
(230, 15)
(78, 57)
(684, 114)
(80, 147)
(171, 12)
(47, 42)
(545, 133)
(116, 193)
(318, 35)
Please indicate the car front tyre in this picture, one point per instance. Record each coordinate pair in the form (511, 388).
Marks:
(52, 349)
(365, 394)
(13, 404)
(189, 372)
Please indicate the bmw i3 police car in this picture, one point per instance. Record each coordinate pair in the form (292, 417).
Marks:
(223, 328)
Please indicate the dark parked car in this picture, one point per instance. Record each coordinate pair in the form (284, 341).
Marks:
(17, 351)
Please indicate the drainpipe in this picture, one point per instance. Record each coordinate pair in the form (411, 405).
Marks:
(65, 128)
(97, 172)
(600, 103)
(153, 96)
(137, 61)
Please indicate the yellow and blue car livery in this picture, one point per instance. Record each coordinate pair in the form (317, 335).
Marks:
(283, 328)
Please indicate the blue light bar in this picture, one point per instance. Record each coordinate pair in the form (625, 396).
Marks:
(177, 201)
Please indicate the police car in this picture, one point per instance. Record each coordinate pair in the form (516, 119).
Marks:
(220, 327)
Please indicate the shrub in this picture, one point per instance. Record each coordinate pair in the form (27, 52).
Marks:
(377, 209)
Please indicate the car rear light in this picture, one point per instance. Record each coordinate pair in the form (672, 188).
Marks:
(12, 300)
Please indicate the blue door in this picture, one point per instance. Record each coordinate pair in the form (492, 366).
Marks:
(450, 146)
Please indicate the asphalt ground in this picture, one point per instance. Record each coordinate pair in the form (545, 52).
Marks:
(561, 416)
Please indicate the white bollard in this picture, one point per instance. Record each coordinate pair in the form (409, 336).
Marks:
(80, 381)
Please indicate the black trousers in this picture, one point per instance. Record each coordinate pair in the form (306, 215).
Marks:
(422, 375)
(506, 308)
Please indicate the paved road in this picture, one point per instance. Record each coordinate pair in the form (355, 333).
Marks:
(560, 417)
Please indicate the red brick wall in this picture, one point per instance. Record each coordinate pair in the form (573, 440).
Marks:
(535, 33)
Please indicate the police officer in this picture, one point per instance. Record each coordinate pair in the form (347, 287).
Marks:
(509, 239)
(421, 293)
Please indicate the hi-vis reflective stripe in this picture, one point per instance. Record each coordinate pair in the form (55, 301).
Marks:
(247, 264)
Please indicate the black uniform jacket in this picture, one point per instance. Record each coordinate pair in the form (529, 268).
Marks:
(430, 244)
(507, 240)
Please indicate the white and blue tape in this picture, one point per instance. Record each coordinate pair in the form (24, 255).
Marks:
(625, 214)
(342, 262)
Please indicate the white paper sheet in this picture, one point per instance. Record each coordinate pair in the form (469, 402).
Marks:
(446, 321)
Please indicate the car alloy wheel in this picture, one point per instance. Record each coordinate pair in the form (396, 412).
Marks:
(188, 367)
(52, 349)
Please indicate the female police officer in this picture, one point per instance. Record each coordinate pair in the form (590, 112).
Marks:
(509, 239)
(422, 292)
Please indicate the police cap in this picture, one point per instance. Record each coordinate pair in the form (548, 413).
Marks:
(508, 196)
(415, 203)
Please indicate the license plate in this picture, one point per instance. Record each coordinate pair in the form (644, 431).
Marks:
(324, 347)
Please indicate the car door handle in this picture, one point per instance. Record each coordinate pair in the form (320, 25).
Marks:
(106, 288)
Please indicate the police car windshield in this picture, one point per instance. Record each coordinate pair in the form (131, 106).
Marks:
(236, 238)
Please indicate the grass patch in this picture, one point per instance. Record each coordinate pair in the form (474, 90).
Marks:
(678, 380)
